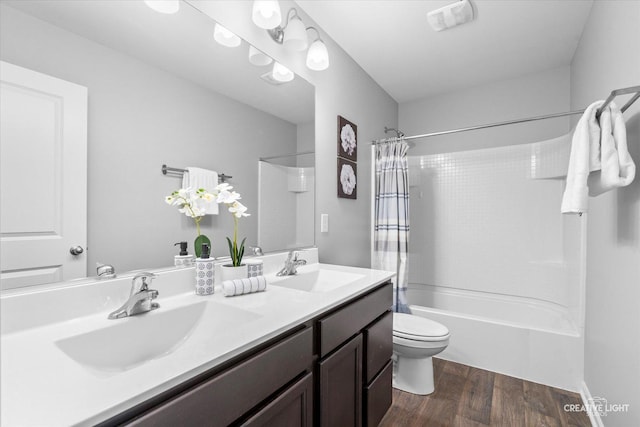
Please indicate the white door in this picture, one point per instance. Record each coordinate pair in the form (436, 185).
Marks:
(43, 178)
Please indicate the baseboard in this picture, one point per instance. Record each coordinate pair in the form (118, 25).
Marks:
(594, 416)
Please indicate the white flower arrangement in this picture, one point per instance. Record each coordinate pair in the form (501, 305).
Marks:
(347, 179)
(348, 138)
(186, 198)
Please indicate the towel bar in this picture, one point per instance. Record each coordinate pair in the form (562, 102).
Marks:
(169, 170)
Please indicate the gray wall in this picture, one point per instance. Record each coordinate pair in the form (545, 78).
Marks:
(607, 58)
(343, 89)
(527, 96)
(139, 118)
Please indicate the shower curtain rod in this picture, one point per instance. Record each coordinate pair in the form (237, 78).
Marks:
(617, 92)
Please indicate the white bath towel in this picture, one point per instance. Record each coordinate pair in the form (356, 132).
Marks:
(597, 148)
(616, 165)
(197, 178)
(244, 286)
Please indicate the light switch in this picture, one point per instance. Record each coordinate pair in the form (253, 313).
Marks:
(324, 223)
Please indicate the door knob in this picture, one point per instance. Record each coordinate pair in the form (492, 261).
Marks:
(76, 250)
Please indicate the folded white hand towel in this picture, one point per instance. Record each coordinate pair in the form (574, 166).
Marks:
(616, 165)
(585, 156)
(197, 178)
(244, 286)
(600, 148)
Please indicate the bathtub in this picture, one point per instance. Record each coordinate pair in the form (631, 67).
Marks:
(520, 337)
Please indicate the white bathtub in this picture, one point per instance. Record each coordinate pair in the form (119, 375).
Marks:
(521, 337)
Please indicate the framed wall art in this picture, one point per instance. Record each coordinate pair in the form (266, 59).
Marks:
(347, 179)
(347, 139)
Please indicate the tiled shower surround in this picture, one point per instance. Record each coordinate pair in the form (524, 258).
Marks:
(488, 222)
(493, 259)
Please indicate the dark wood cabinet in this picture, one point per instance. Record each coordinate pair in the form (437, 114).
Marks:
(377, 396)
(355, 345)
(349, 320)
(378, 345)
(292, 408)
(341, 386)
(229, 395)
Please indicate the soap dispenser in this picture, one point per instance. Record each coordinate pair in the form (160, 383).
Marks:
(204, 272)
(184, 259)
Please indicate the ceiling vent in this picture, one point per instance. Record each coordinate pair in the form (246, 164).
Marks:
(451, 15)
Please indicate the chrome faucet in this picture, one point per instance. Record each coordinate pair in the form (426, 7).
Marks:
(291, 264)
(256, 250)
(139, 300)
(105, 271)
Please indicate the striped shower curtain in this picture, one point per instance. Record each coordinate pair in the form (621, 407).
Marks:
(391, 217)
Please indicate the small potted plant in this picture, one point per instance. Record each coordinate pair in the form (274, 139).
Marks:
(234, 270)
(186, 199)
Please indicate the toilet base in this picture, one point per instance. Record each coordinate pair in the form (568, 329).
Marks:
(413, 375)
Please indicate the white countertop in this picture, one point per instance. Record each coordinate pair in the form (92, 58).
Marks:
(41, 385)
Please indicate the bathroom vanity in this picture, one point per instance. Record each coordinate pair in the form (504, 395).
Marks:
(313, 350)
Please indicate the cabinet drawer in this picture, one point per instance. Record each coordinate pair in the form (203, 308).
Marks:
(378, 345)
(378, 396)
(292, 408)
(227, 396)
(348, 321)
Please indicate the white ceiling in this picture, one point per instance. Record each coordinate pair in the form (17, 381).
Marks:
(393, 42)
(181, 44)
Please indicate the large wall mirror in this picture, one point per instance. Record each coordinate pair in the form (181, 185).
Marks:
(160, 90)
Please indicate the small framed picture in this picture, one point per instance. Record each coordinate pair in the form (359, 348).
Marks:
(347, 139)
(347, 181)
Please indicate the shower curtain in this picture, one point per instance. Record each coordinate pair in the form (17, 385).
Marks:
(391, 216)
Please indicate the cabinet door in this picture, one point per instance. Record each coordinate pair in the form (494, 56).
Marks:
(292, 408)
(341, 386)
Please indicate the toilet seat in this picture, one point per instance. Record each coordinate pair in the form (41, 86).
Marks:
(416, 328)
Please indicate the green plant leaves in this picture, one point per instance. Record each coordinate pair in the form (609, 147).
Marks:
(236, 251)
(197, 244)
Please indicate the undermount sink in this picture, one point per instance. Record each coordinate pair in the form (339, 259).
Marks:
(129, 342)
(317, 280)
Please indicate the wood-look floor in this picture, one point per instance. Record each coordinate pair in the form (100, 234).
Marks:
(471, 397)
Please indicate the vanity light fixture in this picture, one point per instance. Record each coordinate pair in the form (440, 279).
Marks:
(296, 36)
(225, 37)
(164, 6)
(317, 55)
(258, 58)
(293, 35)
(281, 73)
(266, 14)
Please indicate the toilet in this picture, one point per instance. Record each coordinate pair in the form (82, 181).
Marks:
(415, 341)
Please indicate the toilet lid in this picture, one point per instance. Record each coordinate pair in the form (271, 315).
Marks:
(417, 328)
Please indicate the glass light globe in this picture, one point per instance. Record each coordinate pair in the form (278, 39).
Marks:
(281, 73)
(164, 6)
(266, 14)
(225, 37)
(295, 35)
(318, 56)
(259, 58)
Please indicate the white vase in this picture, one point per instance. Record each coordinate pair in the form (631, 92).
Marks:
(229, 272)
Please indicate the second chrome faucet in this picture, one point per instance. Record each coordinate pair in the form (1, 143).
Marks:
(140, 300)
(291, 264)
